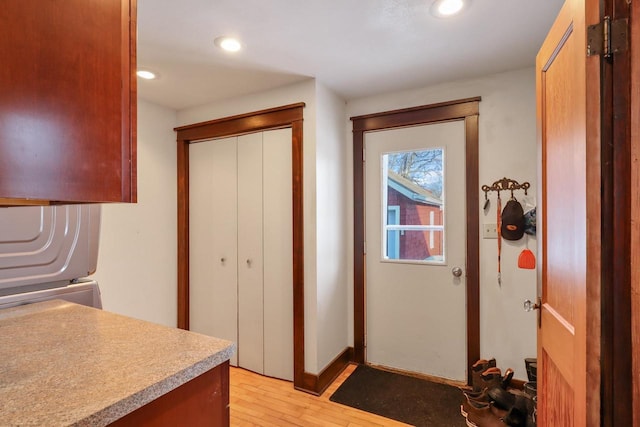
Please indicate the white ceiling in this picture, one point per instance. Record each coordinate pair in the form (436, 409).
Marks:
(356, 47)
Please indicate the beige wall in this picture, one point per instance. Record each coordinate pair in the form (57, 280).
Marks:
(332, 226)
(299, 92)
(137, 269)
(325, 204)
(137, 261)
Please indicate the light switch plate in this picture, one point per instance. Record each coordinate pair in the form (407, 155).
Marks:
(490, 231)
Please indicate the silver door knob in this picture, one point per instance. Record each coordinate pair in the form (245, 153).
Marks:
(530, 306)
(456, 271)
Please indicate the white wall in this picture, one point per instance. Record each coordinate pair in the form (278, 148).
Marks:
(299, 92)
(137, 260)
(137, 266)
(332, 226)
(325, 201)
(507, 139)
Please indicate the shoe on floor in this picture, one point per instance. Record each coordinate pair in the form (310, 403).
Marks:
(476, 371)
(481, 417)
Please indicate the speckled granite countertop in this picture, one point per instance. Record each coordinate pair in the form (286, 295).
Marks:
(66, 364)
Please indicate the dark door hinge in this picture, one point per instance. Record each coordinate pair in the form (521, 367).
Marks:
(608, 37)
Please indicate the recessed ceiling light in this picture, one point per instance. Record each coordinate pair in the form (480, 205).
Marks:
(445, 8)
(228, 43)
(146, 74)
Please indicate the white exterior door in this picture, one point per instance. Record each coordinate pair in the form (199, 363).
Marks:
(241, 245)
(415, 237)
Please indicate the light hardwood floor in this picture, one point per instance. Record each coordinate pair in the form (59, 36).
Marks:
(263, 401)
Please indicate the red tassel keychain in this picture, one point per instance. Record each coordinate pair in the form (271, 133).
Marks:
(499, 226)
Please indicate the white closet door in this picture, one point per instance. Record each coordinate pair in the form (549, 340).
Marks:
(278, 249)
(250, 257)
(212, 239)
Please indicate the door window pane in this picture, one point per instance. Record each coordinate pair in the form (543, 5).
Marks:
(393, 236)
(413, 206)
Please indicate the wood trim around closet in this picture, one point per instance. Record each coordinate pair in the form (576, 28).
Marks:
(463, 109)
(634, 20)
(288, 116)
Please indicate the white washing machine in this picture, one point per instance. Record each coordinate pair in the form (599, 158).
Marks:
(46, 251)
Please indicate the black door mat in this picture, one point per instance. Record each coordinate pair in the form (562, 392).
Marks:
(401, 397)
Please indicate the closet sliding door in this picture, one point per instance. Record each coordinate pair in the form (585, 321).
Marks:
(250, 265)
(212, 239)
(241, 241)
(278, 247)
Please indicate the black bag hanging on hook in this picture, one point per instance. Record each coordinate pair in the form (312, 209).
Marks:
(512, 224)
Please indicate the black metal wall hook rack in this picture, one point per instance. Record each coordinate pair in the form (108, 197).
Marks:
(505, 184)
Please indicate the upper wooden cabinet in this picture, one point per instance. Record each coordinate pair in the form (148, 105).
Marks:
(67, 101)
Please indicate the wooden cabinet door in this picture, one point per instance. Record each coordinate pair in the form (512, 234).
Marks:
(68, 101)
(568, 128)
(203, 401)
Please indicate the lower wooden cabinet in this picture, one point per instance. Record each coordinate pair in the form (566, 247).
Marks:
(203, 401)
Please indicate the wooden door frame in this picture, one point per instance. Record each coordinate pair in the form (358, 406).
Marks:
(634, 25)
(287, 116)
(616, 248)
(463, 109)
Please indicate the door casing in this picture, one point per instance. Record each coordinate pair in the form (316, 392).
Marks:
(618, 137)
(463, 109)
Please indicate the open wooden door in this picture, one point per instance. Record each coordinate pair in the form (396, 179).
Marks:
(568, 124)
